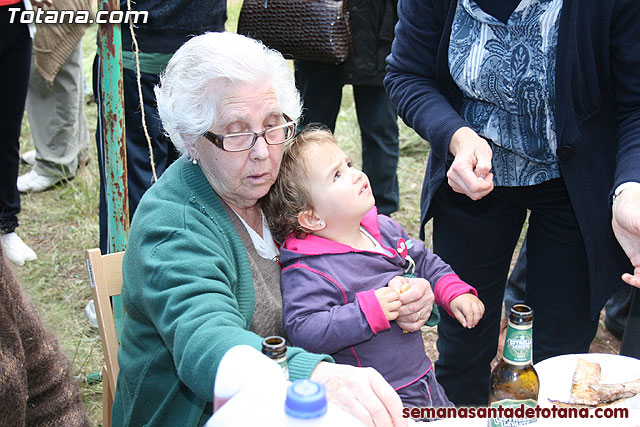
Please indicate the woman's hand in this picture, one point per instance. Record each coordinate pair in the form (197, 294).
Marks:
(417, 302)
(470, 172)
(362, 392)
(626, 227)
(467, 309)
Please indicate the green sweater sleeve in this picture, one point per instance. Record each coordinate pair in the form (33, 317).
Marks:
(198, 292)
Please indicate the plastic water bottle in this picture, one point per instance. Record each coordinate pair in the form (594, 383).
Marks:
(306, 405)
(243, 367)
(250, 390)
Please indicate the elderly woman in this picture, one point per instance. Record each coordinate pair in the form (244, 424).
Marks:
(200, 270)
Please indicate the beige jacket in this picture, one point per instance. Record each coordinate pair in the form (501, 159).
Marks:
(53, 43)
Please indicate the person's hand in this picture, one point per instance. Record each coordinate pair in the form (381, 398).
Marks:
(417, 302)
(470, 172)
(363, 392)
(626, 226)
(468, 309)
(389, 301)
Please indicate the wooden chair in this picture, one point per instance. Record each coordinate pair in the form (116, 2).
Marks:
(105, 275)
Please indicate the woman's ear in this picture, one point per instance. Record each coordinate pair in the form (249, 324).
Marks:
(310, 221)
(193, 152)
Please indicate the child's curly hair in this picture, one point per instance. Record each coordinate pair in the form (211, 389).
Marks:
(290, 195)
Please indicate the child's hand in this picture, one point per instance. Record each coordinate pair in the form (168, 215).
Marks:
(417, 299)
(468, 309)
(389, 301)
(400, 284)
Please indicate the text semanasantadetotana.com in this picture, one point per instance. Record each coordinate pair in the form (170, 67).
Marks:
(42, 16)
(521, 412)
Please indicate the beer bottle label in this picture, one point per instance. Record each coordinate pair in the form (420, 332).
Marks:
(517, 345)
(514, 413)
(284, 365)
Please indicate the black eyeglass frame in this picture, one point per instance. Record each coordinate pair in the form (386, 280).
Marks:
(218, 139)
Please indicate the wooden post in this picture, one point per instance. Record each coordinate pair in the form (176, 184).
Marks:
(115, 150)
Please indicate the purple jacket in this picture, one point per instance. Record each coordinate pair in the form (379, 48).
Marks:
(328, 290)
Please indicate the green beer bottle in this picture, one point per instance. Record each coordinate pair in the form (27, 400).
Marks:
(514, 382)
(275, 348)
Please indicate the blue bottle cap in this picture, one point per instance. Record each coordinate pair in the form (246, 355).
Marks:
(306, 399)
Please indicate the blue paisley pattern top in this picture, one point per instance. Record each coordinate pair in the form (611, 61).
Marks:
(506, 74)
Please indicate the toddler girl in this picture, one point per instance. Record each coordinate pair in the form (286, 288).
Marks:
(343, 266)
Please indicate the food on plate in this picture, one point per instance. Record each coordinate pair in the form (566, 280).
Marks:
(586, 376)
(586, 389)
(609, 393)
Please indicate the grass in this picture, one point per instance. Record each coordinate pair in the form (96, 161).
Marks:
(61, 223)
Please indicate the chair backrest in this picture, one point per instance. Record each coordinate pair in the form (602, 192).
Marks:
(105, 275)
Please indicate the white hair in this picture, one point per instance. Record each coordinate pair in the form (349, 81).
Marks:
(187, 94)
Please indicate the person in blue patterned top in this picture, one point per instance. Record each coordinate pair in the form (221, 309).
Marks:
(509, 102)
(529, 106)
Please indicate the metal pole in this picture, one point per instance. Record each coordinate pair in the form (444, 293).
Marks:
(115, 152)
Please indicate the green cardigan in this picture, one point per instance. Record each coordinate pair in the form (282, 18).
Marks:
(189, 297)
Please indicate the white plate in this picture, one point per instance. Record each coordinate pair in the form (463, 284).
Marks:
(556, 374)
(556, 378)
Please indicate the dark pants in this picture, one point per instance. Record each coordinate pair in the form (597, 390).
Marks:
(478, 239)
(140, 176)
(516, 283)
(631, 338)
(616, 308)
(321, 90)
(15, 62)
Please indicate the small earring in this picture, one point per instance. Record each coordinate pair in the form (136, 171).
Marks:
(321, 223)
(194, 161)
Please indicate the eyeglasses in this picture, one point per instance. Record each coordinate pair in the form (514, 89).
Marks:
(243, 141)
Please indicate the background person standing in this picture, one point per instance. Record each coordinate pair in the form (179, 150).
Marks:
(519, 118)
(55, 102)
(15, 61)
(320, 85)
(168, 26)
